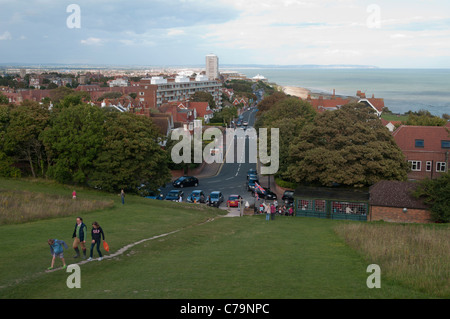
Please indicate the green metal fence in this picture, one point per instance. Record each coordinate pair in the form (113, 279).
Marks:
(331, 209)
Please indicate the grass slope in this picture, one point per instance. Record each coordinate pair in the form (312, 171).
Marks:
(209, 257)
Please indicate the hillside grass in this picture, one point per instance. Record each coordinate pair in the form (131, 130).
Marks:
(206, 256)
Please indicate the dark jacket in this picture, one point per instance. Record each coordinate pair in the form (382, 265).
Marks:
(82, 233)
(97, 233)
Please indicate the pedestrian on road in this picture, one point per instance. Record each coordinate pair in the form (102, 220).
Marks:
(80, 236)
(97, 234)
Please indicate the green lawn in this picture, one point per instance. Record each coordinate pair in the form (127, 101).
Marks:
(394, 117)
(208, 257)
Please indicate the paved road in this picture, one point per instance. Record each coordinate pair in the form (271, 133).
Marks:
(230, 178)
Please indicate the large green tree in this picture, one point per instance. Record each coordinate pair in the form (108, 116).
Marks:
(73, 141)
(289, 115)
(130, 155)
(349, 147)
(22, 137)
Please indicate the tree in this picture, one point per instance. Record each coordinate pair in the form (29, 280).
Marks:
(6, 162)
(424, 118)
(436, 193)
(349, 147)
(268, 102)
(201, 96)
(3, 99)
(289, 115)
(21, 139)
(73, 141)
(130, 154)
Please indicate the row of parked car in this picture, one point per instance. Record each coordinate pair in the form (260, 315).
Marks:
(215, 198)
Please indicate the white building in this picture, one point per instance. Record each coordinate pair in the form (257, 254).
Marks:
(181, 88)
(212, 66)
(119, 82)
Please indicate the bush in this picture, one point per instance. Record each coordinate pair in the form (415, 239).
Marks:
(436, 194)
(285, 184)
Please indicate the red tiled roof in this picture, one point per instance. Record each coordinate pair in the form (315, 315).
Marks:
(201, 108)
(406, 135)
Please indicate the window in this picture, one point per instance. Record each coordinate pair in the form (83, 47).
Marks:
(420, 143)
(429, 166)
(416, 166)
(440, 166)
(445, 144)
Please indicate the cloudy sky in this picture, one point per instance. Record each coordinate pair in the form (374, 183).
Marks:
(395, 33)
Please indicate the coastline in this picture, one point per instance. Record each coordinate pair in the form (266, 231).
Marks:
(296, 91)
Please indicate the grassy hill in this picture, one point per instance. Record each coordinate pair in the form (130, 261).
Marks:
(201, 254)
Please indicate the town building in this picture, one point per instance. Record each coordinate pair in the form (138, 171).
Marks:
(119, 82)
(426, 148)
(212, 66)
(393, 201)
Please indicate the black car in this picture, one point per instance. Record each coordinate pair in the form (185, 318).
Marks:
(174, 195)
(267, 194)
(185, 181)
(288, 197)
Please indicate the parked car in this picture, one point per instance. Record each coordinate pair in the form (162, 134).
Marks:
(251, 183)
(184, 181)
(197, 196)
(288, 197)
(174, 195)
(155, 195)
(233, 200)
(267, 194)
(215, 198)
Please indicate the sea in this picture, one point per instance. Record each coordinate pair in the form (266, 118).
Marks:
(403, 90)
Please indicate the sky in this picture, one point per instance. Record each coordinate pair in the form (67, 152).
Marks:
(387, 34)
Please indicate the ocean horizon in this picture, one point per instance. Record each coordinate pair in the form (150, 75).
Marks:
(403, 90)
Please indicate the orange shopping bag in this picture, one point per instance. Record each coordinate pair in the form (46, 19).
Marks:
(106, 246)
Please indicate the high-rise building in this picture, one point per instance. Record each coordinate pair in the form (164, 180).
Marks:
(212, 66)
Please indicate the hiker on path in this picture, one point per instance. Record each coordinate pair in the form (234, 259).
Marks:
(80, 236)
(56, 249)
(97, 234)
